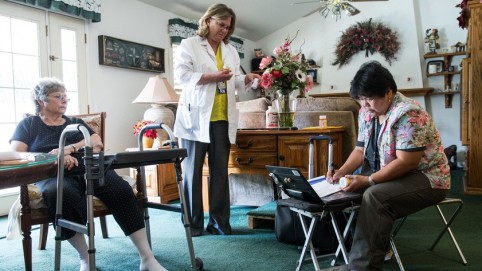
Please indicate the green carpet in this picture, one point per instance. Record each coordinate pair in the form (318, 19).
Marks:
(258, 249)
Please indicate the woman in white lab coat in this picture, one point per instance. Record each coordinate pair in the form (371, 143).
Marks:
(208, 67)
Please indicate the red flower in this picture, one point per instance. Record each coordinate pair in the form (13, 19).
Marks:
(148, 133)
(276, 73)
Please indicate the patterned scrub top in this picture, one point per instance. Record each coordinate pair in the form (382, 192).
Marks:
(408, 127)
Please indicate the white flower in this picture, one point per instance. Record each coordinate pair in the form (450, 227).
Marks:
(300, 75)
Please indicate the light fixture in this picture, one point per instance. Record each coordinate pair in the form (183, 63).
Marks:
(158, 92)
(336, 7)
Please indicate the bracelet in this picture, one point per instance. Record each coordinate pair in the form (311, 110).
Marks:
(73, 147)
(370, 181)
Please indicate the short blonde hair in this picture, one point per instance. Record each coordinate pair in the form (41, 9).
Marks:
(217, 11)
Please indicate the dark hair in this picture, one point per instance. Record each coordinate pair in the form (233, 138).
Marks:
(217, 11)
(372, 80)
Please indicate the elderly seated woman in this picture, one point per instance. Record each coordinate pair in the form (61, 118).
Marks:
(41, 133)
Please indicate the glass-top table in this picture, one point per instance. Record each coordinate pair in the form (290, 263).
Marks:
(32, 167)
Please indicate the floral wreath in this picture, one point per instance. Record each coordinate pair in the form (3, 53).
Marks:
(369, 37)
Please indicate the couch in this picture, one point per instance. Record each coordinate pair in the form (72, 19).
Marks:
(339, 111)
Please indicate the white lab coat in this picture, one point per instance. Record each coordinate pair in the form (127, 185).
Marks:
(193, 58)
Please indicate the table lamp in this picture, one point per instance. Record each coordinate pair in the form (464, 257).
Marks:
(158, 92)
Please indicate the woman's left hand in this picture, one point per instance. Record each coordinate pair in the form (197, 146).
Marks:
(250, 77)
(358, 183)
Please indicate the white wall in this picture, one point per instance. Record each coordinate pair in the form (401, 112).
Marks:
(409, 19)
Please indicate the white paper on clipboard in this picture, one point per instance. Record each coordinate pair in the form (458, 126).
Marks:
(322, 187)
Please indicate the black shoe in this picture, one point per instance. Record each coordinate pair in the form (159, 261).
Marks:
(212, 230)
(196, 232)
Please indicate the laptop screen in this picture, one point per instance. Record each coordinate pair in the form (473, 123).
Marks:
(295, 185)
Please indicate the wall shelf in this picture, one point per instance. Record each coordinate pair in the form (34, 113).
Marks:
(446, 74)
(448, 96)
(407, 92)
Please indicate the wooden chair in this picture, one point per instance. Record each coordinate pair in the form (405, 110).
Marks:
(40, 216)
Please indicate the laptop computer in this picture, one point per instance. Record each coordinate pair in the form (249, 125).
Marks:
(295, 185)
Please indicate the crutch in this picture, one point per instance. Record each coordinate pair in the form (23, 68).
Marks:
(94, 170)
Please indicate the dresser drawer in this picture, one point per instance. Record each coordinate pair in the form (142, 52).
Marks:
(251, 159)
(255, 143)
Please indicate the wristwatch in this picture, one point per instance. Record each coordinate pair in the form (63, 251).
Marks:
(370, 181)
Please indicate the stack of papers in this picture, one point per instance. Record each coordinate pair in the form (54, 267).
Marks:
(322, 187)
(9, 155)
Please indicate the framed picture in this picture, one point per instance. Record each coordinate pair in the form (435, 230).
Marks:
(314, 74)
(130, 55)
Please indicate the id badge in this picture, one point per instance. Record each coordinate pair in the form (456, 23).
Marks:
(221, 87)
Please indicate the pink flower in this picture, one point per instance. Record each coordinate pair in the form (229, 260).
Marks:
(309, 83)
(277, 51)
(285, 46)
(265, 62)
(266, 80)
(296, 57)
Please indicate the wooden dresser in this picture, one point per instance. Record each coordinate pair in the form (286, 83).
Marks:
(254, 149)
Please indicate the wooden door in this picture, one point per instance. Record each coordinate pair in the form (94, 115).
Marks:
(473, 180)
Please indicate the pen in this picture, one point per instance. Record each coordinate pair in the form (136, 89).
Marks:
(332, 170)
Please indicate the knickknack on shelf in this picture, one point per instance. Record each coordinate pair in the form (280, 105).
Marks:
(131, 55)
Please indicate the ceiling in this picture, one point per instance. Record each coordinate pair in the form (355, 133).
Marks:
(255, 18)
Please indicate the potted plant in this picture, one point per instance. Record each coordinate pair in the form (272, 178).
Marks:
(148, 136)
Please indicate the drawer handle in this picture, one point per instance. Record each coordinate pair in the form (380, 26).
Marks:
(247, 146)
(250, 160)
(281, 157)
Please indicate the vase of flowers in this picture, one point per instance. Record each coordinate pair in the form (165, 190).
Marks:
(286, 106)
(148, 136)
(284, 73)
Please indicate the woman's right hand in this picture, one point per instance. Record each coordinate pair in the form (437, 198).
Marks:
(224, 75)
(333, 176)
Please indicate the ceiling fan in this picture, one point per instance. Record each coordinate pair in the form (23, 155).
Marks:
(335, 7)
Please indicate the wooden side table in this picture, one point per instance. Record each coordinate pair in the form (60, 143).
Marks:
(161, 186)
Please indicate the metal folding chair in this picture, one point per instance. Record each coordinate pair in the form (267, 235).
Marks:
(315, 212)
(446, 228)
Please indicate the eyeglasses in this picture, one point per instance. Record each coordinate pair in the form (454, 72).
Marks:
(60, 97)
(222, 25)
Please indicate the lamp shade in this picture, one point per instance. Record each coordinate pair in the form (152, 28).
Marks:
(157, 91)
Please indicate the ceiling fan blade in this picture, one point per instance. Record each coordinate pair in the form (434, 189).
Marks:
(351, 10)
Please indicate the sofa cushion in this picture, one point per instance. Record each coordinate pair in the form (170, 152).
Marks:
(252, 113)
(256, 105)
(328, 104)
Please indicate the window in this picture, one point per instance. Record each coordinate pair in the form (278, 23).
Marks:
(28, 51)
